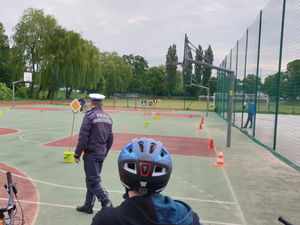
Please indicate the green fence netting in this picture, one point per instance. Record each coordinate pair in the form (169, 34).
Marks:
(266, 61)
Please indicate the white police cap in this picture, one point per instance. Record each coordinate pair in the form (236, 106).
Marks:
(96, 97)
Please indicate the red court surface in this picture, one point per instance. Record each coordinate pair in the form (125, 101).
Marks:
(4, 131)
(188, 146)
(27, 194)
(40, 108)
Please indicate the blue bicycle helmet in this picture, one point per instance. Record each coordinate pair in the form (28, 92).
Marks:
(145, 166)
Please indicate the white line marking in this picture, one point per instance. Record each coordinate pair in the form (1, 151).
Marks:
(239, 209)
(73, 207)
(112, 191)
(221, 223)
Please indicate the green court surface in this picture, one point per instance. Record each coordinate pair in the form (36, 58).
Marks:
(255, 187)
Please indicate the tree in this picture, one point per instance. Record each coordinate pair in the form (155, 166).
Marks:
(188, 70)
(156, 80)
(179, 87)
(139, 67)
(207, 72)
(171, 68)
(250, 83)
(212, 84)
(199, 69)
(290, 88)
(116, 73)
(188, 74)
(29, 42)
(4, 56)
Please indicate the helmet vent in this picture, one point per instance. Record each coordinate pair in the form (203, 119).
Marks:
(141, 146)
(130, 167)
(162, 154)
(130, 150)
(153, 146)
(159, 171)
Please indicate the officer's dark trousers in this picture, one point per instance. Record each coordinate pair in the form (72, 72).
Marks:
(250, 116)
(92, 168)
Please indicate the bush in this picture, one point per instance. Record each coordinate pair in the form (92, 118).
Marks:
(22, 92)
(5, 93)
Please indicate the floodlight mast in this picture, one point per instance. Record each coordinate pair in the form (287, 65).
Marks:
(230, 73)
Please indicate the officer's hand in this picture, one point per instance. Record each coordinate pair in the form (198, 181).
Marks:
(77, 160)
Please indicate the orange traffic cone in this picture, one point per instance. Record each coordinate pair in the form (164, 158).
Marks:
(211, 144)
(201, 131)
(200, 127)
(41, 110)
(126, 127)
(220, 160)
(202, 120)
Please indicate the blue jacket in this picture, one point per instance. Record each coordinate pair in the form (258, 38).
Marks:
(251, 108)
(82, 102)
(95, 134)
(148, 210)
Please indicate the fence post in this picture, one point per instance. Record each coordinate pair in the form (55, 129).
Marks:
(245, 70)
(257, 70)
(229, 113)
(236, 72)
(278, 77)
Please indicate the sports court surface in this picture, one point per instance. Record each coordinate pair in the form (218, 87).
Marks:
(254, 188)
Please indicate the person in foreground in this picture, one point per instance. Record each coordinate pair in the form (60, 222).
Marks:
(145, 167)
(95, 139)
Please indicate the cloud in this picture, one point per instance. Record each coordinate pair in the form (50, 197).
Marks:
(138, 19)
(145, 27)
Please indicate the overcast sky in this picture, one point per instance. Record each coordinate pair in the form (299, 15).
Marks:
(146, 27)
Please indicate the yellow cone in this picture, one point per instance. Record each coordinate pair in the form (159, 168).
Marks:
(0, 113)
(7, 109)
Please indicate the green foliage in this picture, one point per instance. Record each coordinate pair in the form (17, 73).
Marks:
(22, 92)
(156, 79)
(250, 84)
(199, 69)
(207, 72)
(139, 68)
(4, 56)
(116, 73)
(30, 42)
(212, 85)
(5, 93)
(171, 68)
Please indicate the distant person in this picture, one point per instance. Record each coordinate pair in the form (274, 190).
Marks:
(145, 167)
(82, 103)
(251, 109)
(95, 139)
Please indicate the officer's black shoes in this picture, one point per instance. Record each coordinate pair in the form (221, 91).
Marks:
(85, 208)
(106, 204)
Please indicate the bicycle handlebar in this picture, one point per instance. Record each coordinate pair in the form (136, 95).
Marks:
(11, 189)
(284, 221)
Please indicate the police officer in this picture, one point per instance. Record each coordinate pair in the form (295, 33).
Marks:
(95, 139)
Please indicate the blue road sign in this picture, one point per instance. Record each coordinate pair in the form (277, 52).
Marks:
(155, 101)
(144, 103)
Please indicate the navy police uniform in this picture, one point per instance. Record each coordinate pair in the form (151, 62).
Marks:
(95, 139)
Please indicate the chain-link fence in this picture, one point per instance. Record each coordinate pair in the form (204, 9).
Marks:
(266, 61)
